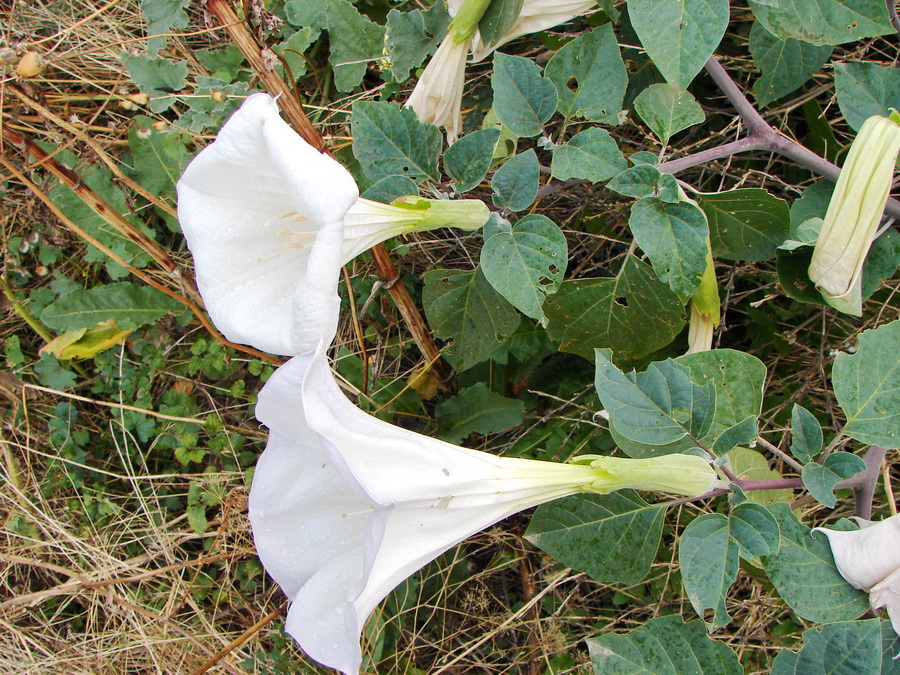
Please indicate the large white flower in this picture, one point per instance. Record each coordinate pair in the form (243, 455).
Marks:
(869, 559)
(270, 220)
(854, 213)
(345, 506)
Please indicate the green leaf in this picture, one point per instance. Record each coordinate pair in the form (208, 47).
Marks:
(637, 181)
(865, 89)
(806, 434)
(656, 407)
(477, 409)
(709, 549)
(157, 157)
(823, 22)
(745, 224)
(293, 50)
(591, 154)
(805, 576)
(890, 647)
(741, 433)
(614, 537)
(590, 76)
(388, 140)
(389, 188)
(839, 648)
(464, 307)
(867, 387)
(467, 161)
(523, 98)
(498, 19)
(820, 479)
(750, 465)
(785, 64)
(679, 35)
(158, 78)
(515, 184)
(674, 238)
(354, 40)
(663, 646)
(881, 262)
(633, 313)
(163, 16)
(413, 36)
(51, 374)
(709, 563)
(755, 530)
(527, 263)
(667, 111)
(129, 305)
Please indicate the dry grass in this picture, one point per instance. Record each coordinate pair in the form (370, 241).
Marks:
(100, 570)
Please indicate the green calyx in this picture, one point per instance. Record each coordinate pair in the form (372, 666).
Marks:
(688, 475)
(465, 23)
(463, 214)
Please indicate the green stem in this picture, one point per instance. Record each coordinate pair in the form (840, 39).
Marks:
(20, 309)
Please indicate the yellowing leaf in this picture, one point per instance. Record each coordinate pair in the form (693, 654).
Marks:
(86, 342)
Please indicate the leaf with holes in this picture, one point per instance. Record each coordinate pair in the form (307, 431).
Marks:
(590, 76)
(465, 308)
(527, 263)
(633, 313)
(823, 22)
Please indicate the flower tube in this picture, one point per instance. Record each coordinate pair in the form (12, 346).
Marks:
(853, 214)
(270, 220)
(869, 559)
(705, 310)
(345, 506)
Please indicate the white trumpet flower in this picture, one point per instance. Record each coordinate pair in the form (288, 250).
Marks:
(869, 559)
(853, 214)
(344, 506)
(270, 220)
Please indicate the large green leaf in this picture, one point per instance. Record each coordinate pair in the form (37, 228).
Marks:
(633, 313)
(464, 307)
(656, 407)
(805, 576)
(709, 549)
(867, 387)
(823, 22)
(129, 305)
(663, 646)
(477, 409)
(354, 40)
(679, 35)
(673, 235)
(745, 224)
(840, 648)
(591, 154)
(389, 141)
(865, 89)
(667, 111)
(786, 64)
(526, 263)
(738, 379)
(590, 76)
(612, 537)
(523, 98)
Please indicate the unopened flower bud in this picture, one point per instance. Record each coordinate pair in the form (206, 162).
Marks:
(30, 65)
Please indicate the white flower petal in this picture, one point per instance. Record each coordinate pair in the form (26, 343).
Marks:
(345, 506)
(868, 556)
(258, 187)
(437, 96)
(886, 593)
